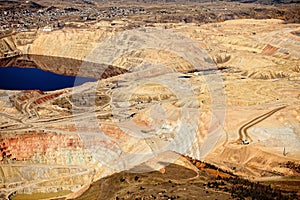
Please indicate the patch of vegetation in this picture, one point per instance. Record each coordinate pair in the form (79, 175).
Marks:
(292, 165)
(240, 188)
(208, 166)
(63, 103)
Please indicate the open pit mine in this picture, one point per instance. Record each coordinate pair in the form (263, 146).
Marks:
(173, 109)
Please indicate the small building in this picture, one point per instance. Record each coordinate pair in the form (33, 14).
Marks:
(47, 29)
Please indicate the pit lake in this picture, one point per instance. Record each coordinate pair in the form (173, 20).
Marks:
(16, 78)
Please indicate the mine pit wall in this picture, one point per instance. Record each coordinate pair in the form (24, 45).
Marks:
(68, 43)
(10, 43)
(38, 161)
(23, 179)
(42, 148)
(63, 66)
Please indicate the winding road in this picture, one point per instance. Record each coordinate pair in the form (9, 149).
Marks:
(243, 134)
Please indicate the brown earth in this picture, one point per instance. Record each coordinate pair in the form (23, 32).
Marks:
(61, 142)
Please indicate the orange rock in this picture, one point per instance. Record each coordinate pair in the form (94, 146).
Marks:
(162, 170)
(199, 164)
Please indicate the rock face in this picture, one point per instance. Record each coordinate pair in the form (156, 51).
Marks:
(69, 43)
(61, 65)
(151, 99)
(38, 145)
(26, 157)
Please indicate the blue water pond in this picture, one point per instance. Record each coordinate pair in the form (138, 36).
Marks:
(15, 78)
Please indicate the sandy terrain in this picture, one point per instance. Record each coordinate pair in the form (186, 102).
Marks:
(226, 93)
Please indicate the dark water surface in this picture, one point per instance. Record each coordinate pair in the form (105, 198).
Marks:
(15, 78)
